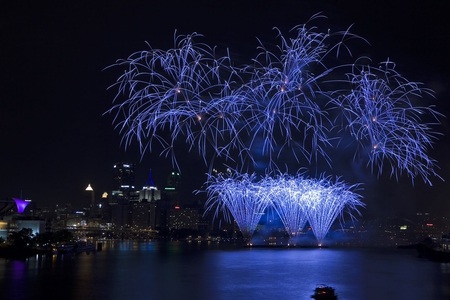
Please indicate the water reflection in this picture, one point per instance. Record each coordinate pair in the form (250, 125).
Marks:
(182, 270)
(17, 281)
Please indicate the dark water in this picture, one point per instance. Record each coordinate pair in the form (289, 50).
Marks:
(179, 270)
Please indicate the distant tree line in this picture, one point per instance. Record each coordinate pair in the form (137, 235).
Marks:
(24, 243)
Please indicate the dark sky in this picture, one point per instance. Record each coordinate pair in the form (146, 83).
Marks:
(54, 139)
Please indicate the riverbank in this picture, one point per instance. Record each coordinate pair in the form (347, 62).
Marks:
(433, 254)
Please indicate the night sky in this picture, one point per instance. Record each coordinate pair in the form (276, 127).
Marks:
(55, 139)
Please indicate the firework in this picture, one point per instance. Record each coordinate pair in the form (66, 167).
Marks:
(240, 196)
(381, 117)
(325, 201)
(178, 94)
(296, 199)
(279, 103)
(285, 193)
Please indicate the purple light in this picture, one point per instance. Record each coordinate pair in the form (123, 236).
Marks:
(21, 205)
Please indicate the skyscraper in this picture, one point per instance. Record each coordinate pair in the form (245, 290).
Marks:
(146, 211)
(149, 192)
(174, 180)
(123, 177)
(123, 192)
(172, 190)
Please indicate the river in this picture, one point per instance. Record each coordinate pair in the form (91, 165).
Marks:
(182, 270)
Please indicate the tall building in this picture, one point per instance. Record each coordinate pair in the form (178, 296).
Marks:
(123, 192)
(89, 201)
(146, 209)
(183, 218)
(144, 215)
(174, 180)
(149, 192)
(178, 214)
(121, 214)
(172, 190)
(124, 177)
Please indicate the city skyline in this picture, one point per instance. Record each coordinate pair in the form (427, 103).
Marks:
(55, 91)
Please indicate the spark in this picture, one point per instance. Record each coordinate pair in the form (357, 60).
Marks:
(278, 104)
(296, 199)
(398, 131)
(240, 196)
(296, 98)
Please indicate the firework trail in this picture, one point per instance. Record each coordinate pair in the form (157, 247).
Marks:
(386, 126)
(285, 193)
(299, 99)
(296, 199)
(240, 196)
(325, 201)
(279, 103)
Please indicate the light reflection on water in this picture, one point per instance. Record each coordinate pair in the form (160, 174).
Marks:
(181, 270)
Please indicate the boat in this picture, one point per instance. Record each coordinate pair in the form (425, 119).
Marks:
(324, 292)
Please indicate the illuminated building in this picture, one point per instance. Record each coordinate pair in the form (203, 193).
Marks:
(149, 192)
(16, 222)
(183, 218)
(145, 210)
(144, 215)
(124, 177)
(172, 189)
(120, 215)
(91, 192)
(21, 205)
(11, 224)
(123, 192)
(174, 180)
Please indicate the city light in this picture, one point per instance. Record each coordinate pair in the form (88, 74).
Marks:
(21, 204)
(299, 100)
